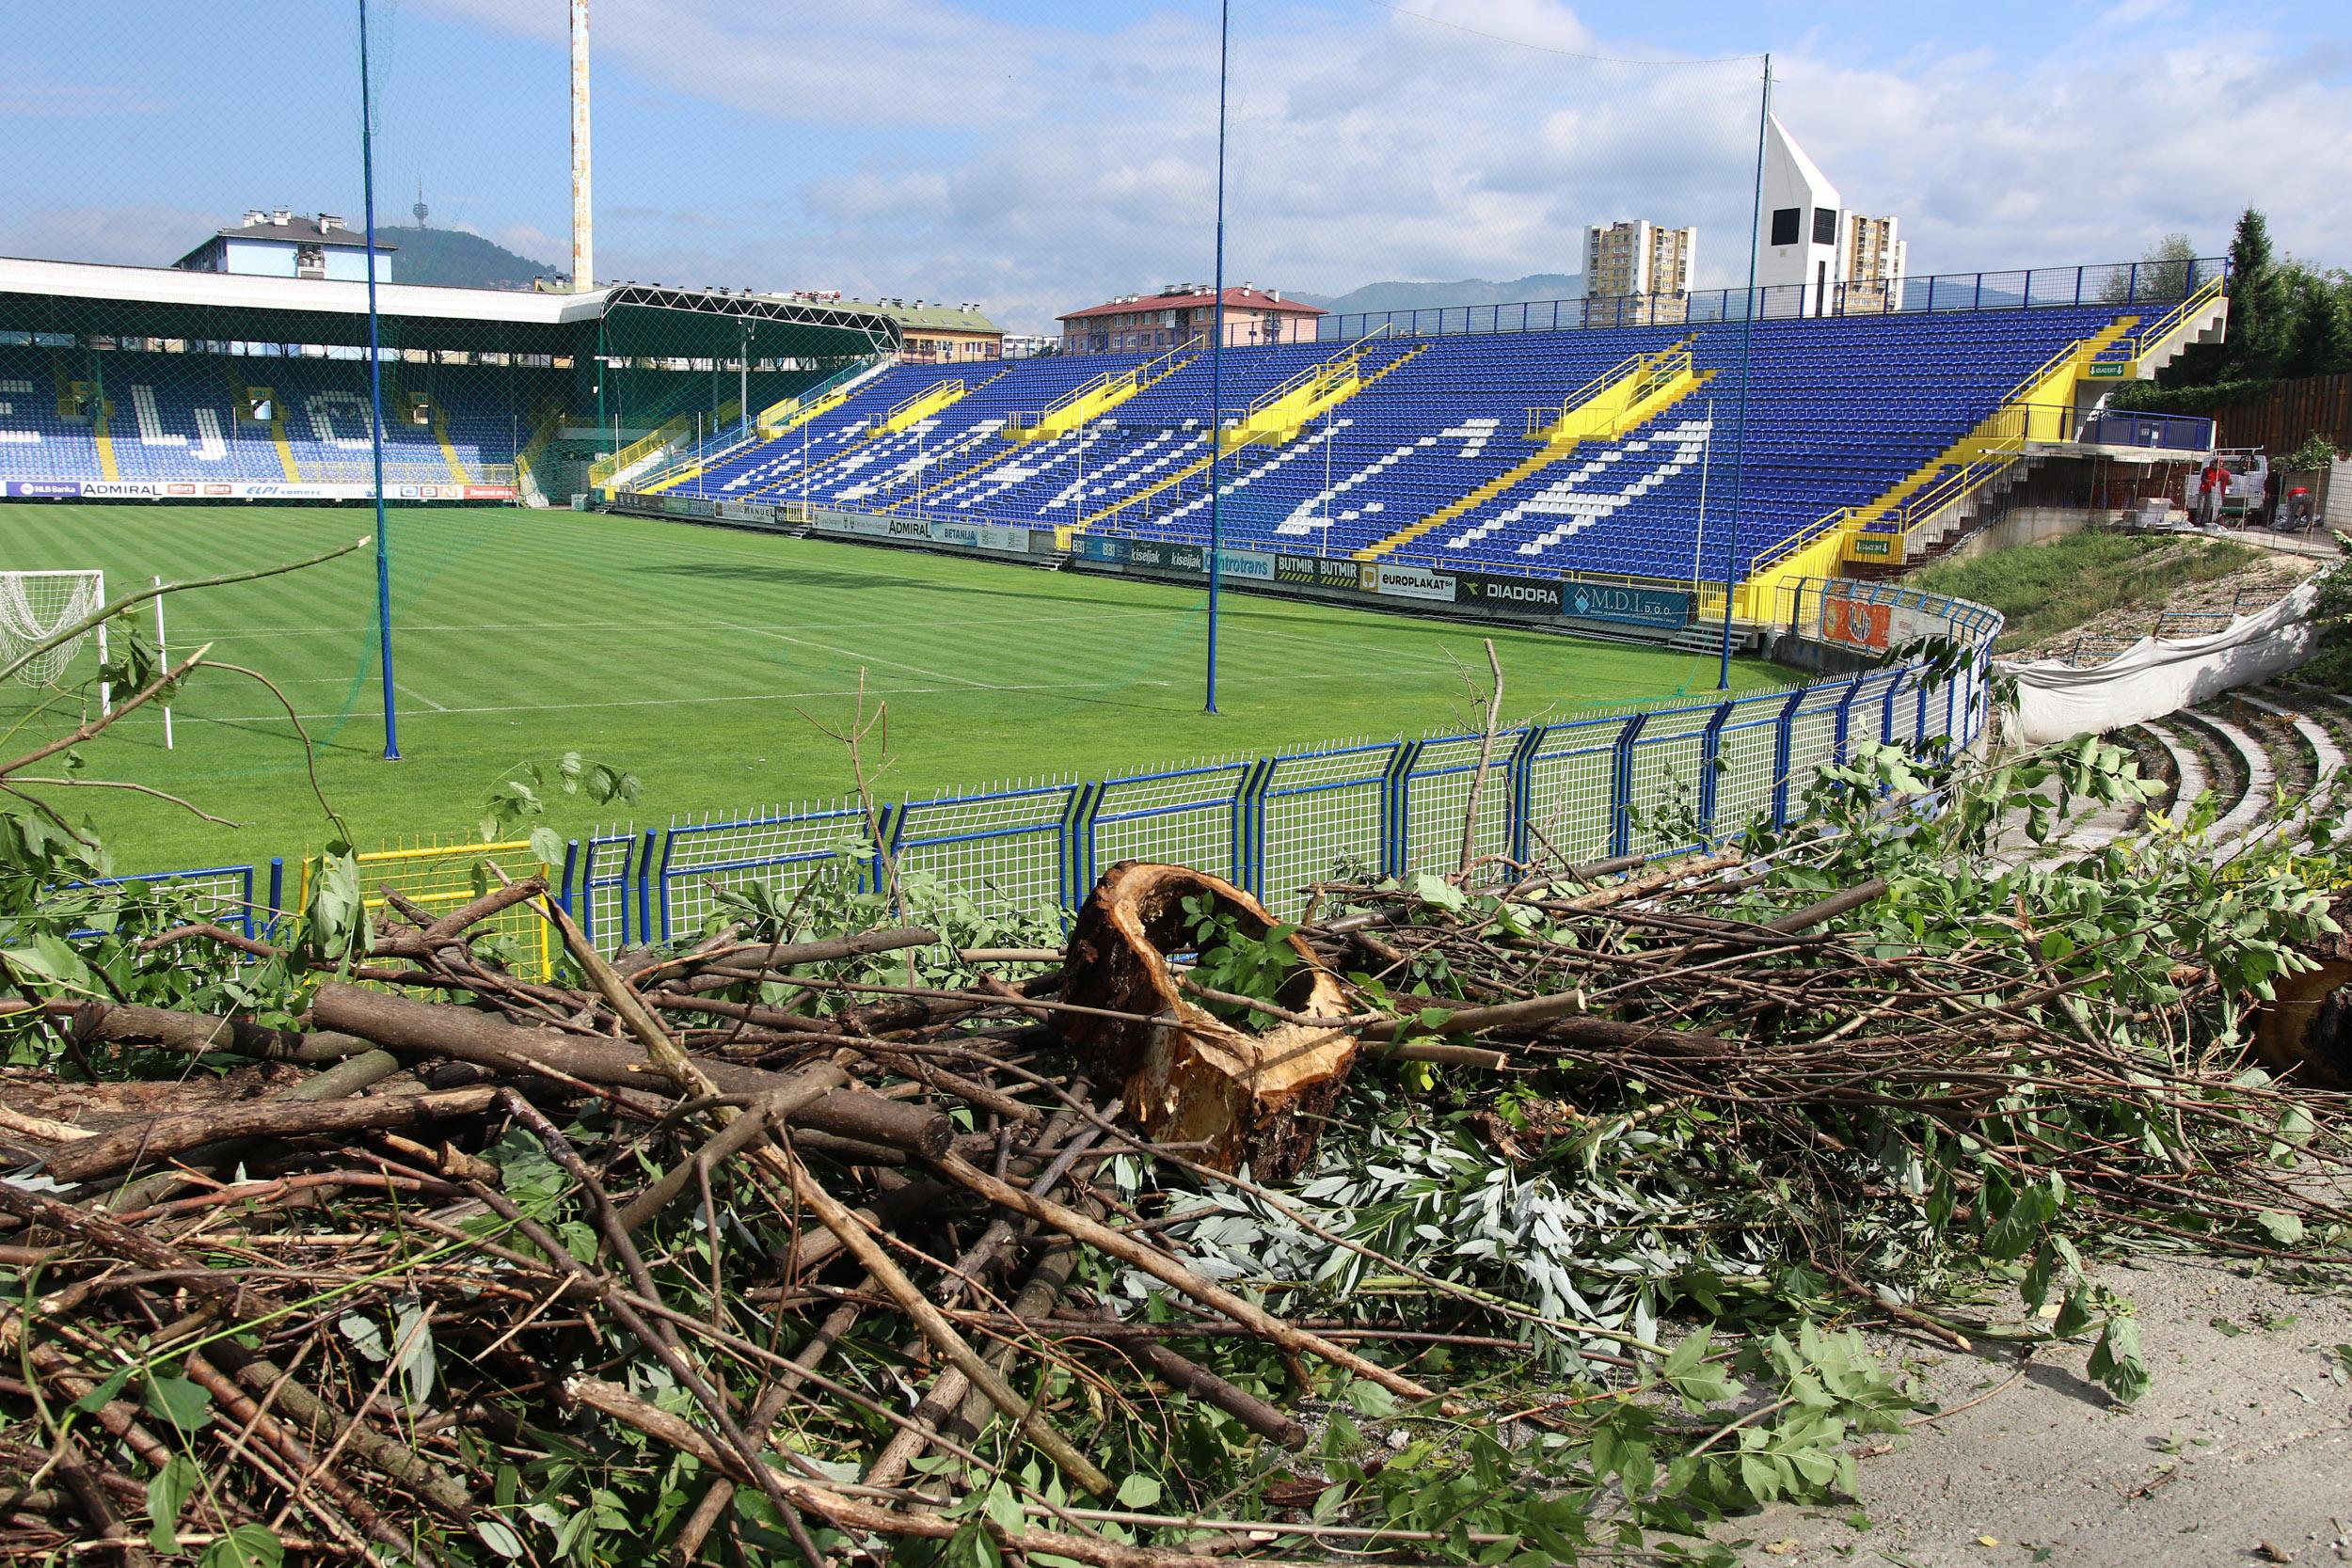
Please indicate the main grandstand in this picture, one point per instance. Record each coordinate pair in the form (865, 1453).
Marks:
(144, 382)
(1592, 452)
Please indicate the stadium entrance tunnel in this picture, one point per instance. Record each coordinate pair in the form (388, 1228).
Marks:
(1240, 1095)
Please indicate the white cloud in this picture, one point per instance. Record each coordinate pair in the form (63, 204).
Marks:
(921, 148)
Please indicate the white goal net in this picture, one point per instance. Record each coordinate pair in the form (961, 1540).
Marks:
(34, 608)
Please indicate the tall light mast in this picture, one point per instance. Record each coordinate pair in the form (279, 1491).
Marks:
(584, 217)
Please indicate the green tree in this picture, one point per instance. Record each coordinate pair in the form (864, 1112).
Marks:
(2163, 273)
(2259, 300)
(2319, 333)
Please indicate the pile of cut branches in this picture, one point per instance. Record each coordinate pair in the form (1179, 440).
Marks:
(1206, 1232)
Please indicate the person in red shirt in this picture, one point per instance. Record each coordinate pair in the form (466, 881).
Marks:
(2210, 486)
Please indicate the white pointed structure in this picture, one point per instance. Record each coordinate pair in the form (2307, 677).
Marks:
(1813, 257)
(1797, 259)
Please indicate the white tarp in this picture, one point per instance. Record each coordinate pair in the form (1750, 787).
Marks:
(2157, 676)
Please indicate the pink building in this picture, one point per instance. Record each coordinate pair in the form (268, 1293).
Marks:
(1182, 313)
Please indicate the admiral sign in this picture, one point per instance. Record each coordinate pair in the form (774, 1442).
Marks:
(1669, 608)
(1527, 595)
(1412, 582)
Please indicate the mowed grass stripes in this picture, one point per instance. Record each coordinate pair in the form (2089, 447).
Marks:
(705, 660)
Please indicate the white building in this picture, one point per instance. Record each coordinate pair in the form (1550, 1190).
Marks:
(280, 245)
(1814, 257)
(1638, 258)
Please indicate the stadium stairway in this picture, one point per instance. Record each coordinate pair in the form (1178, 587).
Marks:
(1096, 398)
(1067, 415)
(1622, 398)
(1276, 418)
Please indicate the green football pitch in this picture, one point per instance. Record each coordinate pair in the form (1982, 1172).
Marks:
(704, 660)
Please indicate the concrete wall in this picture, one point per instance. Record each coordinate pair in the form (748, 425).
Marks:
(2027, 524)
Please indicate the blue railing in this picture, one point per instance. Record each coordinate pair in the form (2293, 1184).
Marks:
(2168, 432)
(1650, 782)
(2124, 283)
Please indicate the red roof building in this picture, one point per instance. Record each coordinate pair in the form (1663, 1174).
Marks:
(1182, 313)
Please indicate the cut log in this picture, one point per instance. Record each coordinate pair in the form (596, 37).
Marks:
(2305, 1028)
(1185, 1075)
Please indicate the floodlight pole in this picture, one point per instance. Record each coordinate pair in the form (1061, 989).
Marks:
(375, 401)
(1216, 355)
(1747, 347)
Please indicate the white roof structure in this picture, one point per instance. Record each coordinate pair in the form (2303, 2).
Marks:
(173, 286)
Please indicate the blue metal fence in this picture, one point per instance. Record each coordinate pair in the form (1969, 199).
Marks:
(1652, 782)
(2129, 283)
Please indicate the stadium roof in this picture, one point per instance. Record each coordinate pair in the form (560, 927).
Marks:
(936, 318)
(1199, 296)
(167, 302)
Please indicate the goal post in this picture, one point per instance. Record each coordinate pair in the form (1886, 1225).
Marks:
(36, 607)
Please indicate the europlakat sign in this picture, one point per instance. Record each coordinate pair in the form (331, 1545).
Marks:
(1414, 582)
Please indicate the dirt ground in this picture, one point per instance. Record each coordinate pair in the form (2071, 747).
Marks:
(2240, 1453)
(2278, 573)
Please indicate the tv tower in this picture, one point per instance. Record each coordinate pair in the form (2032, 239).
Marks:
(420, 210)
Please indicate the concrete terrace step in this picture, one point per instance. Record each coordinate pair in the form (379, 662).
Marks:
(2253, 758)
(2327, 759)
(2188, 768)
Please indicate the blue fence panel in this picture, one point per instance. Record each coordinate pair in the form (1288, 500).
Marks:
(223, 894)
(1185, 817)
(1665, 767)
(1747, 763)
(1434, 800)
(1816, 736)
(698, 861)
(1006, 850)
(601, 900)
(1566, 790)
(1867, 720)
(1323, 815)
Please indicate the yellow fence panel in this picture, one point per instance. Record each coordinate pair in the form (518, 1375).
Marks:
(442, 877)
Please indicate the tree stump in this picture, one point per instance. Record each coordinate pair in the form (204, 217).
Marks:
(1185, 1075)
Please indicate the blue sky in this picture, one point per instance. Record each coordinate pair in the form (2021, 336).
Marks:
(1037, 156)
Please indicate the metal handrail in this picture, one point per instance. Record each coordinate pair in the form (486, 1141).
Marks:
(1324, 370)
(1650, 371)
(2172, 321)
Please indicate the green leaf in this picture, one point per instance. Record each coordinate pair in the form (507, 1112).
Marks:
(1432, 889)
(2115, 1360)
(547, 847)
(246, 1546)
(1140, 1491)
(104, 1395)
(176, 1401)
(2285, 1229)
(1371, 1400)
(500, 1537)
(166, 1494)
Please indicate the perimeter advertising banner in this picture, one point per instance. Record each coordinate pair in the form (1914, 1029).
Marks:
(1413, 582)
(243, 489)
(1320, 571)
(1521, 595)
(1666, 607)
(1854, 622)
(1101, 551)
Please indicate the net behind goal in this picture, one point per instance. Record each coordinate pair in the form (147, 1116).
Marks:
(35, 607)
